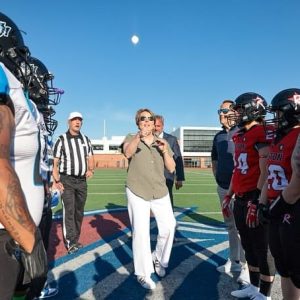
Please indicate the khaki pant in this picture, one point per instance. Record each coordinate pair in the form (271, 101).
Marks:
(236, 251)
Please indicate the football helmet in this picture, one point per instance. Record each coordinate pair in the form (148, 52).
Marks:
(50, 123)
(12, 49)
(40, 85)
(248, 107)
(42, 92)
(285, 107)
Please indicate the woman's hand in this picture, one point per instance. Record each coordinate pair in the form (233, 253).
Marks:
(162, 145)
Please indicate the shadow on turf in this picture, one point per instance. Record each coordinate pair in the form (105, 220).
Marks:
(108, 228)
(198, 217)
(66, 285)
(188, 275)
(128, 286)
(201, 279)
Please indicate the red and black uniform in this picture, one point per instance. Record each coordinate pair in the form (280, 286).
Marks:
(244, 184)
(246, 158)
(285, 230)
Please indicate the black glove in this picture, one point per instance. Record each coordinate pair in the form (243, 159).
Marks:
(35, 263)
(263, 214)
(255, 195)
(279, 207)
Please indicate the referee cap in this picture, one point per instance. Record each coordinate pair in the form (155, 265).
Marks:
(74, 115)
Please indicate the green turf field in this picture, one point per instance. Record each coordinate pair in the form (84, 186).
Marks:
(107, 190)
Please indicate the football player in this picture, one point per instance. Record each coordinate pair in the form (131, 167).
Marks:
(44, 96)
(22, 254)
(251, 149)
(285, 222)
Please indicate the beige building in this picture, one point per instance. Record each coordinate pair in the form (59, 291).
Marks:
(108, 154)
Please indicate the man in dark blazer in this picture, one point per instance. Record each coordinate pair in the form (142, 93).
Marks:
(178, 175)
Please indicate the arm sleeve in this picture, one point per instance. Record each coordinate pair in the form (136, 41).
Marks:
(178, 161)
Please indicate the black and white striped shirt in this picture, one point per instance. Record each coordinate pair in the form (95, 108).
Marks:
(72, 152)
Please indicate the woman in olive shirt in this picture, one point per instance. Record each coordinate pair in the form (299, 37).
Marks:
(146, 191)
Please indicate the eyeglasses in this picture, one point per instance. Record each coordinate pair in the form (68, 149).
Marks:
(144, 118)
(224, 111)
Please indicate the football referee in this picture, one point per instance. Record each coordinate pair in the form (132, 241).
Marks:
(73, 164)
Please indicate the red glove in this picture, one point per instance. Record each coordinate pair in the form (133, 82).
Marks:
(252, 217)
(226, 210)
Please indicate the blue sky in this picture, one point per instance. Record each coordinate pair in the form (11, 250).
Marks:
(192, 55)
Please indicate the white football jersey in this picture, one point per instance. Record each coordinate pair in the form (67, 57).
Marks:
(25, 148)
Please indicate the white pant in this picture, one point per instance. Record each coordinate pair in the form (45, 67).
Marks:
(139, 215)
(236, 251)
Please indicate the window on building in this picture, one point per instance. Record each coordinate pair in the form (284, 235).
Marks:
(192, 162)
(198, 140)
(114, 147)
(97, 147)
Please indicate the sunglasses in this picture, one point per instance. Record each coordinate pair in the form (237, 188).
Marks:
(224, 111)
(144, 118)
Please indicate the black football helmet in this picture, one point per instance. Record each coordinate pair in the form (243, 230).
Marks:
(285, 107)
(40, 85)
(48, 113)
(248, 107)
(13, 52)
(42, 92)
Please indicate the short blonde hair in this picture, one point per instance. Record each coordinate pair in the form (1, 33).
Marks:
(138, 114)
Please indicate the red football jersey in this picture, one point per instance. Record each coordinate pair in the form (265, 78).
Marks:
(279, 163)
(246, 157)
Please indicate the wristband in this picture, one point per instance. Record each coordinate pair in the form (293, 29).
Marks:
(164, 151)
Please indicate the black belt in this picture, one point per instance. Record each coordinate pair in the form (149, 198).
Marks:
(74, 176)
(245, 196)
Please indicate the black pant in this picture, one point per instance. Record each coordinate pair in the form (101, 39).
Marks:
(10, 269)
(285, 243)
(45, 226)
(170, 184)
(73, 201)
(255, 241)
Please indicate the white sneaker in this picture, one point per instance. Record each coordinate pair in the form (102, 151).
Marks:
(146, 282)
(229, 266)
(261, 296)
(159, 269)
(247, 291)
(48, 292)
(244, 277)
